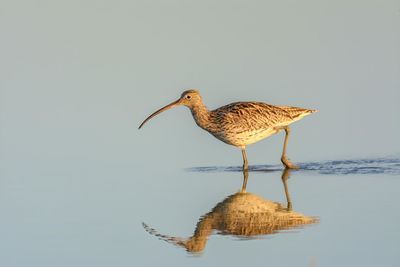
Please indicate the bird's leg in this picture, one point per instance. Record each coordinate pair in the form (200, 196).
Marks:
(285, 176)
(284, 159)
(245, 163)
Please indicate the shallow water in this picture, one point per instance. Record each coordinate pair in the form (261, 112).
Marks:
(389, 165)
(94, 216)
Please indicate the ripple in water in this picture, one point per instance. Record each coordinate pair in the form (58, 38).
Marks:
(339, 167)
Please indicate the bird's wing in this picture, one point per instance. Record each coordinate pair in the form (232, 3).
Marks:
(254, 115)
(297, 113)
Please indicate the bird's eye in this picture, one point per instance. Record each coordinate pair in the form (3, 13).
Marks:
(188, 97)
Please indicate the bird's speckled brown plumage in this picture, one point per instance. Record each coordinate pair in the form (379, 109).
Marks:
(241, 123)
(244, 123)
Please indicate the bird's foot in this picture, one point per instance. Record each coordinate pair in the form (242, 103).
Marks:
(288, 164)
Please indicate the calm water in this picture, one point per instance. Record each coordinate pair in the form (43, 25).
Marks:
(333, 213)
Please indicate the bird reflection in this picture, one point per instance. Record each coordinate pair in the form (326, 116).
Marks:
(244, 215)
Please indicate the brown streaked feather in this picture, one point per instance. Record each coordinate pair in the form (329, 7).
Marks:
(296, 111)
(243, 123)
(256, 115)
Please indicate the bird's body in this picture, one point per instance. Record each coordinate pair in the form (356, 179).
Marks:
(241, 123)
(244, 123)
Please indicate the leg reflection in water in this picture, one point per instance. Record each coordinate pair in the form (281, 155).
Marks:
(242, 214)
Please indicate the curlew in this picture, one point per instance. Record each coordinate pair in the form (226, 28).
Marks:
(240, 123)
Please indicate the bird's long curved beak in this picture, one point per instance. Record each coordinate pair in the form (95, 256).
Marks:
(173, 104)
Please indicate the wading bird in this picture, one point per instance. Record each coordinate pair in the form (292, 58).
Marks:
(240, 123)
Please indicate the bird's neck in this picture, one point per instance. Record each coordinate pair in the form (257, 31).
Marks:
(201, 115)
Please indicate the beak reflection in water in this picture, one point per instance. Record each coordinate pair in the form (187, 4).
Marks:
(244, 215)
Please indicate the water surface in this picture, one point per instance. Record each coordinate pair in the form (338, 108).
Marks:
(343, 216)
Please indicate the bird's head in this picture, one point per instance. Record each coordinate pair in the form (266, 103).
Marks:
(189, 98)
